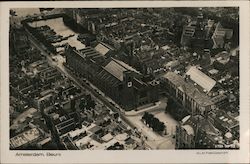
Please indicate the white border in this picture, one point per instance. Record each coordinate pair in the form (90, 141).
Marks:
(134, 156)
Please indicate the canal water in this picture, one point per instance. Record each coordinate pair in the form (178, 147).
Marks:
(61, 29)
(23, 12)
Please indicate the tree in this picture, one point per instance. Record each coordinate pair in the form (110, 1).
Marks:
(162, 127)
(153, 122)
(146, 116)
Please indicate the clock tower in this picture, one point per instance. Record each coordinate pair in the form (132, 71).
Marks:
(128, 92)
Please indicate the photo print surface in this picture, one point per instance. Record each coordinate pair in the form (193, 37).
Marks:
(124, 78)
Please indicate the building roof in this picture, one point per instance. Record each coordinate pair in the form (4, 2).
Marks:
(220, 33)
(203, 125)
(209, 128)
(228, 135)
(129, 141)
(218, 98)
(102, 49)
(225, 120)
(43, 142)
(189, 31)
(89, 52)
(95, 129)
(228, 33)
(138, 84)
(128, 67)
(82, 141)
(24, 138)
(76, 132)
(106, 77)
(22, 117)
(188, 88)
(117, 67)
(213, 71)
(107, 137)
(189, 129)
(121, 137)
(185, 119)
(201, 79)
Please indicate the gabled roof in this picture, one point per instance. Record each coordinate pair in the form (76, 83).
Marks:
(128, 67)
(89, 52)
(189, 129)
(228, 33)
(188, 88)
(189, 31)
(184, 120)
(209, 128)
(102, 49)
(117, 67)
(201, 79)
(106, 77)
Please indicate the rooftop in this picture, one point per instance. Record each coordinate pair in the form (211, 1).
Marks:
(76, 132)
(201, 79)
(189, 30)
(189, 129)
(225, 120)
(117, 67)
(102, 49)
(188, 88)
(24, 138)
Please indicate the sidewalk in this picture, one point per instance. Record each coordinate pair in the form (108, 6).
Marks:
(156, 106)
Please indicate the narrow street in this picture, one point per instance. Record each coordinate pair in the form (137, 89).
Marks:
(59, 65)
(58, 61)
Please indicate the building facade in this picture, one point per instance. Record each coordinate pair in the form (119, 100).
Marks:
(191, 98)
(116, 79)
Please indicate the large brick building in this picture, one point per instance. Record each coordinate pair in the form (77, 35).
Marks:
(187, 94)
(116, 79)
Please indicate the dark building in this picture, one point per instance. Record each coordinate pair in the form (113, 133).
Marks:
(197, 33)
(115, 78)
(197, 132)
(207, 132)
(225, 123)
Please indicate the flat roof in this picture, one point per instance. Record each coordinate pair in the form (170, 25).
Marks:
(25, 137)
(76, 132)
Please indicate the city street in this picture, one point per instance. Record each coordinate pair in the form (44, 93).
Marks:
(131, 75)
(58, 63)
(155, 141)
